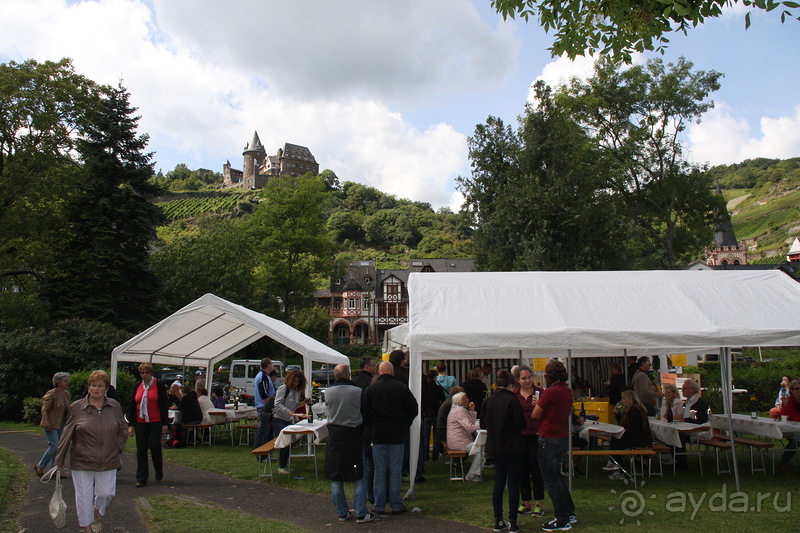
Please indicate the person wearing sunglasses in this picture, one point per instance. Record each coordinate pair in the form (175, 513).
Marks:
(148, 419)
(790, 407)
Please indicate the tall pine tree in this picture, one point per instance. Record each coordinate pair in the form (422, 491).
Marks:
(102, 271)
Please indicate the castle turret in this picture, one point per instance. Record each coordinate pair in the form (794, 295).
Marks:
(254, 155)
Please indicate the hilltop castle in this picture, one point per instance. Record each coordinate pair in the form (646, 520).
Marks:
(258, 167)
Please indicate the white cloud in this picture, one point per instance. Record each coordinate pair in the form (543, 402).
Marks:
(320, 49)
(723, 137)
(213, 72)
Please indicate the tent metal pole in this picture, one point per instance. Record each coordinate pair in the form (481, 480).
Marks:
(570, 467)
(727, 401)
(625, 365)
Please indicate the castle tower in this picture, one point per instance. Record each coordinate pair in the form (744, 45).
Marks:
(254, 155)
(726, 250)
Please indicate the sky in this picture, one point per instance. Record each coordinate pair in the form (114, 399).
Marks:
(384, 93)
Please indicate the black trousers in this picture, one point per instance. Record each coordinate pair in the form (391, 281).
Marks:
(148, 437)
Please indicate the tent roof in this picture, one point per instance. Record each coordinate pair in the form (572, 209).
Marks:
(209, 330)
(503, 314)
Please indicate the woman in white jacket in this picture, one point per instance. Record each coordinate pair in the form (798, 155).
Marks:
(288, 398)
(462, 423)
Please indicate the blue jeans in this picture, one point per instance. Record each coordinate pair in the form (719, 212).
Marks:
(359, 497)
(388, 459)
(264, 431)
(53, 436)
(506, 472)
(791, 449)
(369, 474)
(550, 455)
(277, 426)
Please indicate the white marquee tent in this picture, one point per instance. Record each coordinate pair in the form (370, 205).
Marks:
(210, 329)
(588, 314)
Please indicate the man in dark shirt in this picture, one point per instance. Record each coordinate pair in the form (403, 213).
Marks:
(390, 409)
(364, 378)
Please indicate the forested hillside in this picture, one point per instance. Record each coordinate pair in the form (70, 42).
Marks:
(363, 222)
(764, 202)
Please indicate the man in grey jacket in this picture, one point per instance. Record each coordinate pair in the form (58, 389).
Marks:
(644, 388)
(344, 457)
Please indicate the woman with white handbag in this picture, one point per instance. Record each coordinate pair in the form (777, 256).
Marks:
(94, 438)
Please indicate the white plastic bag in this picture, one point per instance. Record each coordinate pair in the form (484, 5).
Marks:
(57, 507)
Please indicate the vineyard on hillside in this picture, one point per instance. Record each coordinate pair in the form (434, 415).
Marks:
(190, 206)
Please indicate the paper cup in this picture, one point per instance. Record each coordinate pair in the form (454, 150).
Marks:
(785, 418)
(537, 395)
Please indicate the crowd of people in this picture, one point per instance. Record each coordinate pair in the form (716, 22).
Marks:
(369, 417)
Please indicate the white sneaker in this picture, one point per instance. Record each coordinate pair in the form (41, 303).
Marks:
(284, 471)
(617, 476)
(667, 459)
(611, 467)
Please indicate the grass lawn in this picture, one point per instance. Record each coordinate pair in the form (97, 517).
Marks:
(13, 483)
(704, 503)
(688, 501)
(171, 514)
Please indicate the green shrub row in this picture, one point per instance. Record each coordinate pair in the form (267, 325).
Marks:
(761, 380)
(78, 381)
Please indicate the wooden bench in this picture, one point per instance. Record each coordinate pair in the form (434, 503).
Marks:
(660, 448)
(718, 444)
(632, 454)
(456, 457)
(264, 459)
(246, 427)
(752, 444)
(202, 428)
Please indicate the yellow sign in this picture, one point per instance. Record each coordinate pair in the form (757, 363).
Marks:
(678, 359)
(539, 363)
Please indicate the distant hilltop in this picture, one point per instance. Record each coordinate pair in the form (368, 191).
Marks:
(258, 167)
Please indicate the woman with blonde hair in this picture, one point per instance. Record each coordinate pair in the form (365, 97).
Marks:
(94, 438)
(637, 429)
(55, 405)
(672, 401)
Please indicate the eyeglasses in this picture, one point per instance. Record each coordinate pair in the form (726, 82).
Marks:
(795, 388)
(145, 373)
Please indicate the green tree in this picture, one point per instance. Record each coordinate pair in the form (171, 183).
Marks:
(636, 117)
(216, 257)
(538, 195)
(42, 112)
(620, 28)
(102, 271)
(293, 246)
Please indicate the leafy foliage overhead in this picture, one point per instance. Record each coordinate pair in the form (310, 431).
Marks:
(622, 27)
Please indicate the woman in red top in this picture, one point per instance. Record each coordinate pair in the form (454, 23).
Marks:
(554, 409)
(790, 407)
(147, 418)
(528, 394)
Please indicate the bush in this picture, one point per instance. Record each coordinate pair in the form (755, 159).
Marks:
(32, 356)
(760, 379)
(32, 410)
(356, 351)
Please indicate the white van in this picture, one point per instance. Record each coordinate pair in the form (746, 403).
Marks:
(244, 371)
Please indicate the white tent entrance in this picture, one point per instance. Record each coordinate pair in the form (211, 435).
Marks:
(210, 329)
(590, 314)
